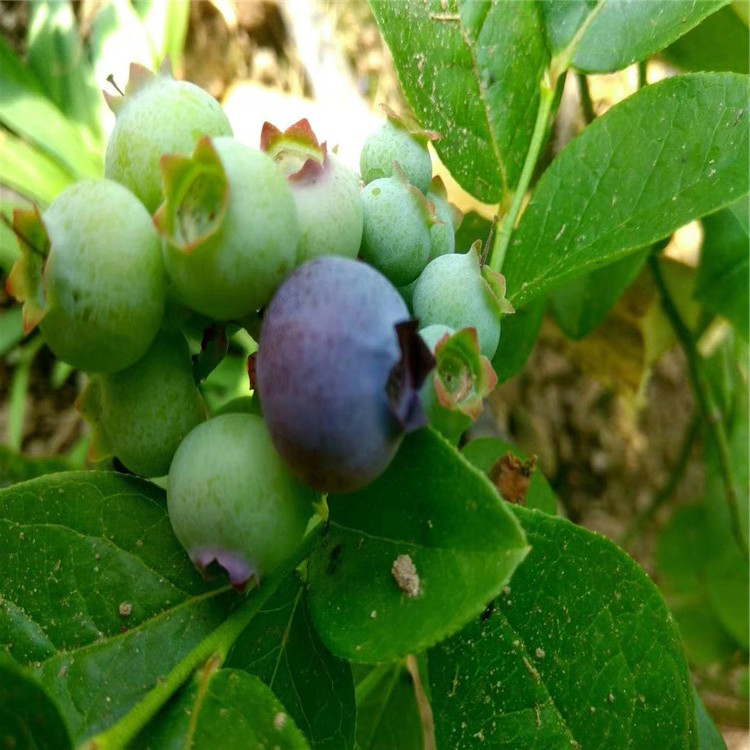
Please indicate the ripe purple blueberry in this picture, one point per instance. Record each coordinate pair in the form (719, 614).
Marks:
(339, 367)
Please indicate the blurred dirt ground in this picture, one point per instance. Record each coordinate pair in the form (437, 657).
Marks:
(607, 451)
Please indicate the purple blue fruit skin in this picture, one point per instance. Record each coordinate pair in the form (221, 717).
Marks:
(232, 501)
(394, 143)
(104, 277)
(326, 350)
(141, 414)
(162, 116)
(451, 292)
(396, 234)
(234, 271)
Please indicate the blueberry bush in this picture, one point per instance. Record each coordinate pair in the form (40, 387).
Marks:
(330, 557)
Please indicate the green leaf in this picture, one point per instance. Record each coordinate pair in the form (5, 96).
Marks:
(432, 509)
(29, 113)
(579, 651)
(620, 32)
(721, 286)
(223, 708)
(682, 578)
(56, 55)
(17, 468)
(388, 715)
(582, 304)
(29, 172)
(671, 152)
(517, 338)
(281, 647)
(166, 22)
(709, 737)
(28, 716)
(720, 42)
(470, 71)
(97, 597)
(484, 452)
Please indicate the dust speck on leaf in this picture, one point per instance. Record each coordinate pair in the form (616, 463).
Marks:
(279, 720)
(405, 574)
(125, 609)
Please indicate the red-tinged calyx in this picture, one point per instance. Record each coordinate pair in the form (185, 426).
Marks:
(463, 376)
(234, 564)
(196, 193)
(296, 150)
(26, 279)
(407, 376)
(410, 125)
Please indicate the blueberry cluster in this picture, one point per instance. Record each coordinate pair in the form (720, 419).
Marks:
(188, 218)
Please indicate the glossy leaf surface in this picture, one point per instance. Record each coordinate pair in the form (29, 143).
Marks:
(431, 506)
(281, 647)
(471, 72)
(672, 152)
(579, 649)
(95, 584)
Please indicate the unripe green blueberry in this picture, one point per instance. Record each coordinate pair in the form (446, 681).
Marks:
(325, 191)
(232, 501)
(451, 291)
(230, 228)
(157, 116)
(396, 236)
(442, 234)
(142, 413)
(95, 279)
(394, 143)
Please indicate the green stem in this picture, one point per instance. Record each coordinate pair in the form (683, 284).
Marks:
(587, 106)
(502, 238)
(214, 648)
(704, 395)
(669, 487)
(642, 74)
(371, 680)
(557, 68)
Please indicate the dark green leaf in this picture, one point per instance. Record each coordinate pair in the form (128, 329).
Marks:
(281, 647)
(720, 42)
(470, 71)
(682, 578)
(430, 507)
(56, 55)
(579, 651)
(97, 597)
(225, 708)
(672, 152)
(517, 338)
(620, 32)
(581, 304)
(16, 468)
(473, 227)
(709, 737)
(721, 286)
(484, 452)
(388, 715)
(28, 717)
